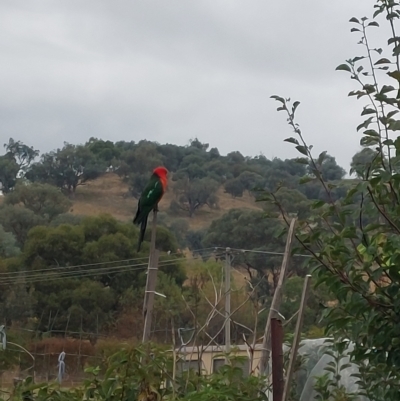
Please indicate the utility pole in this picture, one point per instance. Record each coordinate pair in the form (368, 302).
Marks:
(151, 281)
(276, 301)
(228, 300)
(277, 358)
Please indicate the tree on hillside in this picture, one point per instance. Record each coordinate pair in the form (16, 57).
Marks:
(235, 157)
(92, 263)
(179, 228)
(8, 173)
(17, 160)
(191, 195)
(194, 239)
(251, 180)
(276, 178)
(214, 153)
(236, 161)
(192, 166)
(362, 159)
(195, 143)
(141, 159)
(67, 168)
(67, 218)
(234, 187)
(105, 151)
(43, 199)
(74, 303)
(327, 166)
(91, 306)
(293, 201)
(243, 229)
(24, 155)
(249, 230)
(18, 220)
(19, 303)
(96, 240)
(172, 155)
(218, 170)
(8, 244)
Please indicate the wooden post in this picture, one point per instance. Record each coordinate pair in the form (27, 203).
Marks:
(277, 358)
(151, 281)
(227, 301)
(296, 340)
(276, 301)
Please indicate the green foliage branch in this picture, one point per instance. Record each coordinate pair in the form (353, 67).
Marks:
(354, 241)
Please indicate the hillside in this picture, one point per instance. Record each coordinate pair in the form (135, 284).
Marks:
(108, 194)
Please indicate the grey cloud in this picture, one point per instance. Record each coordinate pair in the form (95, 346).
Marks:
(170, 71)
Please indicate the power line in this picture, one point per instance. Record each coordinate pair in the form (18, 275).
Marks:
(264, 252)
(41, 278)
(52, 269)
(72, 267)
(82, 273)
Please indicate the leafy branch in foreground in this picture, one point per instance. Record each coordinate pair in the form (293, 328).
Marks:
(355, 241)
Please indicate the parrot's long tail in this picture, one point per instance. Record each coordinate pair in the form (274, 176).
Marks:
(143, 226)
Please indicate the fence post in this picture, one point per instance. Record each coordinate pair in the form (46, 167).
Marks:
(277, 359)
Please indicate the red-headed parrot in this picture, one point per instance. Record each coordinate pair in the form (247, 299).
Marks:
(149, 199)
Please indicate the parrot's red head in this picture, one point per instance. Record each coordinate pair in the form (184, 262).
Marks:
(162, 173)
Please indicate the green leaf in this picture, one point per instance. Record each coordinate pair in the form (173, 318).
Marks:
(396, 50)
(278, 98)
(395, 39)
(355, 20)
(391, 16)
(292, 140)
(302, 149)
(386, 89)
(395, 75)
(295, 105)
(369, 141)
(392, 113)
(373, 23)
(343, 67)
(369, 88)
(371, 132)
(317, 204)
(368, 111)
(355, 30)
(365, 124)
(321, 157)
(383, 61)
(388, 142)
(357, 93)
(394, 125)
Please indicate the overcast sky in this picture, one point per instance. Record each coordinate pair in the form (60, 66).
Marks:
(169, 71)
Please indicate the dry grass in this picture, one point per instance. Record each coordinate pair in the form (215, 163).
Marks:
(108, 194)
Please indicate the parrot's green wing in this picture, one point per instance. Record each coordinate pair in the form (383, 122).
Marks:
(148, 201)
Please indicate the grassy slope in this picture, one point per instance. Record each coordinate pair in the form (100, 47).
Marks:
(109, 194)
